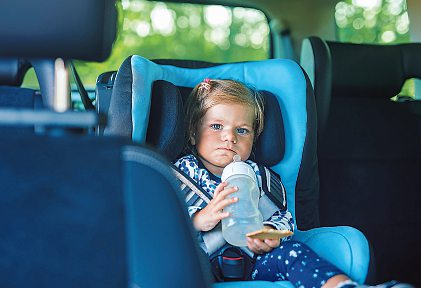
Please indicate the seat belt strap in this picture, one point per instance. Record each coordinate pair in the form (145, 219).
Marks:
(87, 102)
(197, 196)
(187, 182)
(273, 187)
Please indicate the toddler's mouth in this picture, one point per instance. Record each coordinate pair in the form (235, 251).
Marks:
(227, 149)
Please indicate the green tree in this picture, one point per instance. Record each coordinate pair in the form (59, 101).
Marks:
(374, 21)
(157, 30)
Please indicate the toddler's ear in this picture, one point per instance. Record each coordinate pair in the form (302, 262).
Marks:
(192, 140)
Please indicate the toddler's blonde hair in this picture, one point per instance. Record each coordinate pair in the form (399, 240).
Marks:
(211, 92)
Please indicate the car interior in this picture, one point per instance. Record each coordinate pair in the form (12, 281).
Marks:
(88, 195)
(378, 137)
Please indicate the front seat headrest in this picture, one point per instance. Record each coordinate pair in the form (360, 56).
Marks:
(77, 29)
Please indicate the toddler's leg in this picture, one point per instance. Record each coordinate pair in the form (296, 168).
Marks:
(295, 262)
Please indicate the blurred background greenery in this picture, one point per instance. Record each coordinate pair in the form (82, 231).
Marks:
(184, 31)
(226, 34)
(372, 21)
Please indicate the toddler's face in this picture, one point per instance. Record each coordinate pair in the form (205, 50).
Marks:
(225, 130)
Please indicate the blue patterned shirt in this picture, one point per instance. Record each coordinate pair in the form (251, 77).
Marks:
(279, 219)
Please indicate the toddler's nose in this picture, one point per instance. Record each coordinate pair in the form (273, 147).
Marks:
(230, 137)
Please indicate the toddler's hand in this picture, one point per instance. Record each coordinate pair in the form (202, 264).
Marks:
(207, 218)
(259, 246)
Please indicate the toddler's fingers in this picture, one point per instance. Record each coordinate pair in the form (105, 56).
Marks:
(225, 202)
(273, 243)
(262, 246)
(251, 245)
(223, 215)
(227, 191)
(219, 188)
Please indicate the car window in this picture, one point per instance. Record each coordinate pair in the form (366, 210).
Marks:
(372, 21)
(184, 31)
(158, 30)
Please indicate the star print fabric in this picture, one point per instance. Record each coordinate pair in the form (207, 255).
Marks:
(295, 262)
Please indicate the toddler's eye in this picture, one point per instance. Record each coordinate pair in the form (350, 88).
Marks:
(216, 126)
(242, 131)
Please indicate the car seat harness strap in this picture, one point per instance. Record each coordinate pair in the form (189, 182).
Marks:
(229, 263)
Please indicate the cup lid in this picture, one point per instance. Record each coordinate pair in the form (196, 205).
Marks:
(238, 168)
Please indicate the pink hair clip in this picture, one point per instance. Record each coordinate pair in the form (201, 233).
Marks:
(205, 85)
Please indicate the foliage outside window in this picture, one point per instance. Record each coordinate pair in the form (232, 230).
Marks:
(374, 22)
(157, 30)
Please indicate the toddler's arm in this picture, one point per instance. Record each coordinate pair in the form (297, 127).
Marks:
(281, 220)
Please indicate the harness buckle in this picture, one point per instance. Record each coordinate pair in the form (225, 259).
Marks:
(231, 264)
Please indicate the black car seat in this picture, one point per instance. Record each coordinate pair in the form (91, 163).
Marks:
(316, 61)
(82, 217)
(12, 95)
(370, 149)
(12, 72)
(104, 87)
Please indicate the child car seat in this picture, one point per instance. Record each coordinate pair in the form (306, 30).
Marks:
(131, 114)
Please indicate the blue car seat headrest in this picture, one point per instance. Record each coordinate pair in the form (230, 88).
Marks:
(166, 128)
(12, 71)
(378, 78)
